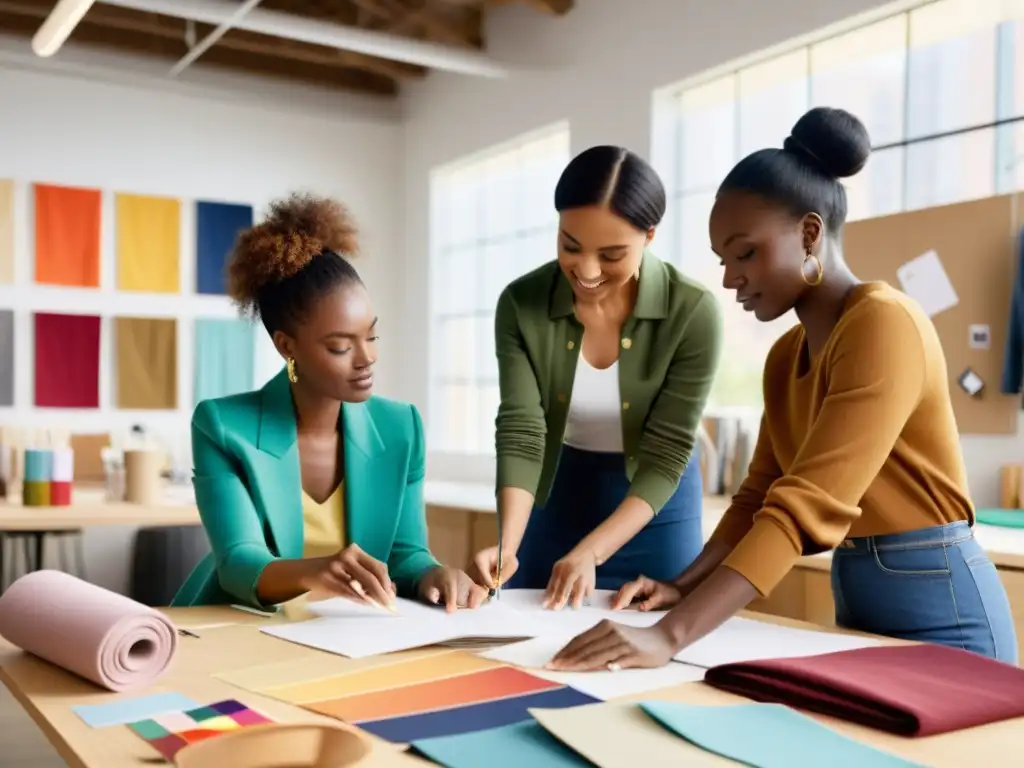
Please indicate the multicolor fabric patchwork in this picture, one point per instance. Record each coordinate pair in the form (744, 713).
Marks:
(170, 732)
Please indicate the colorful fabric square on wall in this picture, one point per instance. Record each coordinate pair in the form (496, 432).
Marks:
(148, 243)
(224, 358)
(217, 228)
(6, 357)
(67, 236)
(67, 368)
(147, 363)
(6, 231)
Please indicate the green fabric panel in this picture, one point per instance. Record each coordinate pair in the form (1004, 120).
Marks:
(224, 359)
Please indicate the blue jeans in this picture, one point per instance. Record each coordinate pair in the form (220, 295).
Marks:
(588, 487)
(934, 585)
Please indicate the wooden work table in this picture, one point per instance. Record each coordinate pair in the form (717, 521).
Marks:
(47, 694)
(89, 507)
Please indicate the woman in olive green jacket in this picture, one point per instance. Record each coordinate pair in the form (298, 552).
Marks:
(605, 357)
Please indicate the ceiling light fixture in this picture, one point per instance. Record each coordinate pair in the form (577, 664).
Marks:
(59, 25)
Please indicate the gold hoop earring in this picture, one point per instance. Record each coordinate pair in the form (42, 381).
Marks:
(819, 270)
(290, 365)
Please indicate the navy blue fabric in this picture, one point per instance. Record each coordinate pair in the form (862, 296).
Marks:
(588, 488)
(1013, 357)
(217, 226)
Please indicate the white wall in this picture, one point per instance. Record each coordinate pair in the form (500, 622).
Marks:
(105, 122)
(597, 68)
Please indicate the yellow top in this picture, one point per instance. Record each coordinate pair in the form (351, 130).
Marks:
(323, 525)
(859, 442)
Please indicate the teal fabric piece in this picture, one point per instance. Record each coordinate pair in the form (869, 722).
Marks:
(523, 745)
(1004, 518)
(224, 359)
(768, 736)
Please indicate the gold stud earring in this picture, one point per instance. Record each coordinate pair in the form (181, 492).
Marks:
(291, 370)
(819, 270)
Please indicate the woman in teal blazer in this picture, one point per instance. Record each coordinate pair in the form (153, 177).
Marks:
(311, 484)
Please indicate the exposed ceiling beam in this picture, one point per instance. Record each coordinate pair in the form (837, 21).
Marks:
(383, 45)
(399, 16)
(59, 24)
(198, 49)
(554, 7)
(238, 40)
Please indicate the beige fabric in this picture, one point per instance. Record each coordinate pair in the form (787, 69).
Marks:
(147, 363)
(6, 231)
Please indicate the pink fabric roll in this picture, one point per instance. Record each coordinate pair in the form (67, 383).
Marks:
(104, 637)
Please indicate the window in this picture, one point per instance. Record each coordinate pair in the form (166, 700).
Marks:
(493, 219)
(941, 91)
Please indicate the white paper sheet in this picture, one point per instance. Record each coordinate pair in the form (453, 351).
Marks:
(740, 639)
(597, 607)
(925, 281)
(534, 654)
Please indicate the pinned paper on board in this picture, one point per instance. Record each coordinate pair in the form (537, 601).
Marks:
(979, 336)
(924, 279)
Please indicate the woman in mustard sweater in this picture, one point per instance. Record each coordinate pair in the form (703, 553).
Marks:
(858, 450)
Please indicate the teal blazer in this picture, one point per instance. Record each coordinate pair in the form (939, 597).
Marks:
(249, 490)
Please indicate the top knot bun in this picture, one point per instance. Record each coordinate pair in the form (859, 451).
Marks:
(831, 139)
(294, 232)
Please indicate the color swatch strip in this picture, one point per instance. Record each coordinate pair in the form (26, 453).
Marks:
(170, 732)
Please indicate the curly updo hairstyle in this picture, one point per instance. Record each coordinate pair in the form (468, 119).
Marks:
(298, 253)
(824, 146)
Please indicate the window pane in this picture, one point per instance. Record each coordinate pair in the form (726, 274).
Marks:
(707, 134)
(500, 197)
(697, 259)
(952, 70)
(773, 96)
(455, 356)
(485, 368)
(464, 207)
(878, 189)
(951, 170)
(488, 399)
(1012, 70)
(540, 164)
(455, 281)
(457, 419)
(864, 72)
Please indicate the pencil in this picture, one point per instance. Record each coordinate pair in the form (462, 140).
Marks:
(358, 588)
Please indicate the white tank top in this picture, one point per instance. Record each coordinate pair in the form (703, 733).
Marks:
(594, 422)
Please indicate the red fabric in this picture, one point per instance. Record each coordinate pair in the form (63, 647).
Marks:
(912, 690)
(60, 494)
(67, 361)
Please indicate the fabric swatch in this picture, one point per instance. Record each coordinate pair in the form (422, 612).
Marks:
(67, 236)
(774, 736)
(217, 228)
(224, 361)
(510, 746)
(172, 731)
(123, 711)
(147, 363)
(148, 243)
(6, 231)
(472, 717)
(6, 357)
(67, 369)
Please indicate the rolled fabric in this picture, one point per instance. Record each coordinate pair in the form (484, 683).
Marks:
(38, 465)
(60, 494)
(35, 493)
(63, 469)
(106, 638)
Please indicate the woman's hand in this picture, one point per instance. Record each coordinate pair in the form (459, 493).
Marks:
(452, 588)
(353, 574)
(572, 580)
(647, 594)
(612, 646)
(484, 569)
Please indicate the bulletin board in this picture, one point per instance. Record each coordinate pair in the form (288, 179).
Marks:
(976, 243)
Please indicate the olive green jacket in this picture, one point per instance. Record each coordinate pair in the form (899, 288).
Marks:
(671, 346)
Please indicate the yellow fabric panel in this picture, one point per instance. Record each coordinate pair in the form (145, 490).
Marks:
(148, 243)
(147, 363)
(323, 525)
(6, 231)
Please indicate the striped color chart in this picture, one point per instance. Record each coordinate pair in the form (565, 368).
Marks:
(168, 733)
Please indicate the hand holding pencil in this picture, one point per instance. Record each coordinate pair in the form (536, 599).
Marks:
(353, 574)
(491, 571)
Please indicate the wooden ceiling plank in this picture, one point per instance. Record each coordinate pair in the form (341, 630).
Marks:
(553, 7)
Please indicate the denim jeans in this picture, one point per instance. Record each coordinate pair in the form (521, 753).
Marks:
(933, 585)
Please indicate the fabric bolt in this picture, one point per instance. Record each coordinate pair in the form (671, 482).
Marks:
(6, 355)
(147, 363)
(67, 355)
(6, 231)
(148, 243)
(224, 359)
(63, 465)
(38, 465)
(891, 688)
(60, 493)
(67, 236)
(217, 228)
(35, 493)
(588, 488)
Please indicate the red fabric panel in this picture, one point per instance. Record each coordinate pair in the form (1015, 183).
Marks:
(67, 361)
(912, 690)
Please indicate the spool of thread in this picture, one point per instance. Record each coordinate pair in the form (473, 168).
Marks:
(60, 494)
(1009, 486)
(142, 476)
(35, 493)
(63, 466)
(38, 465)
